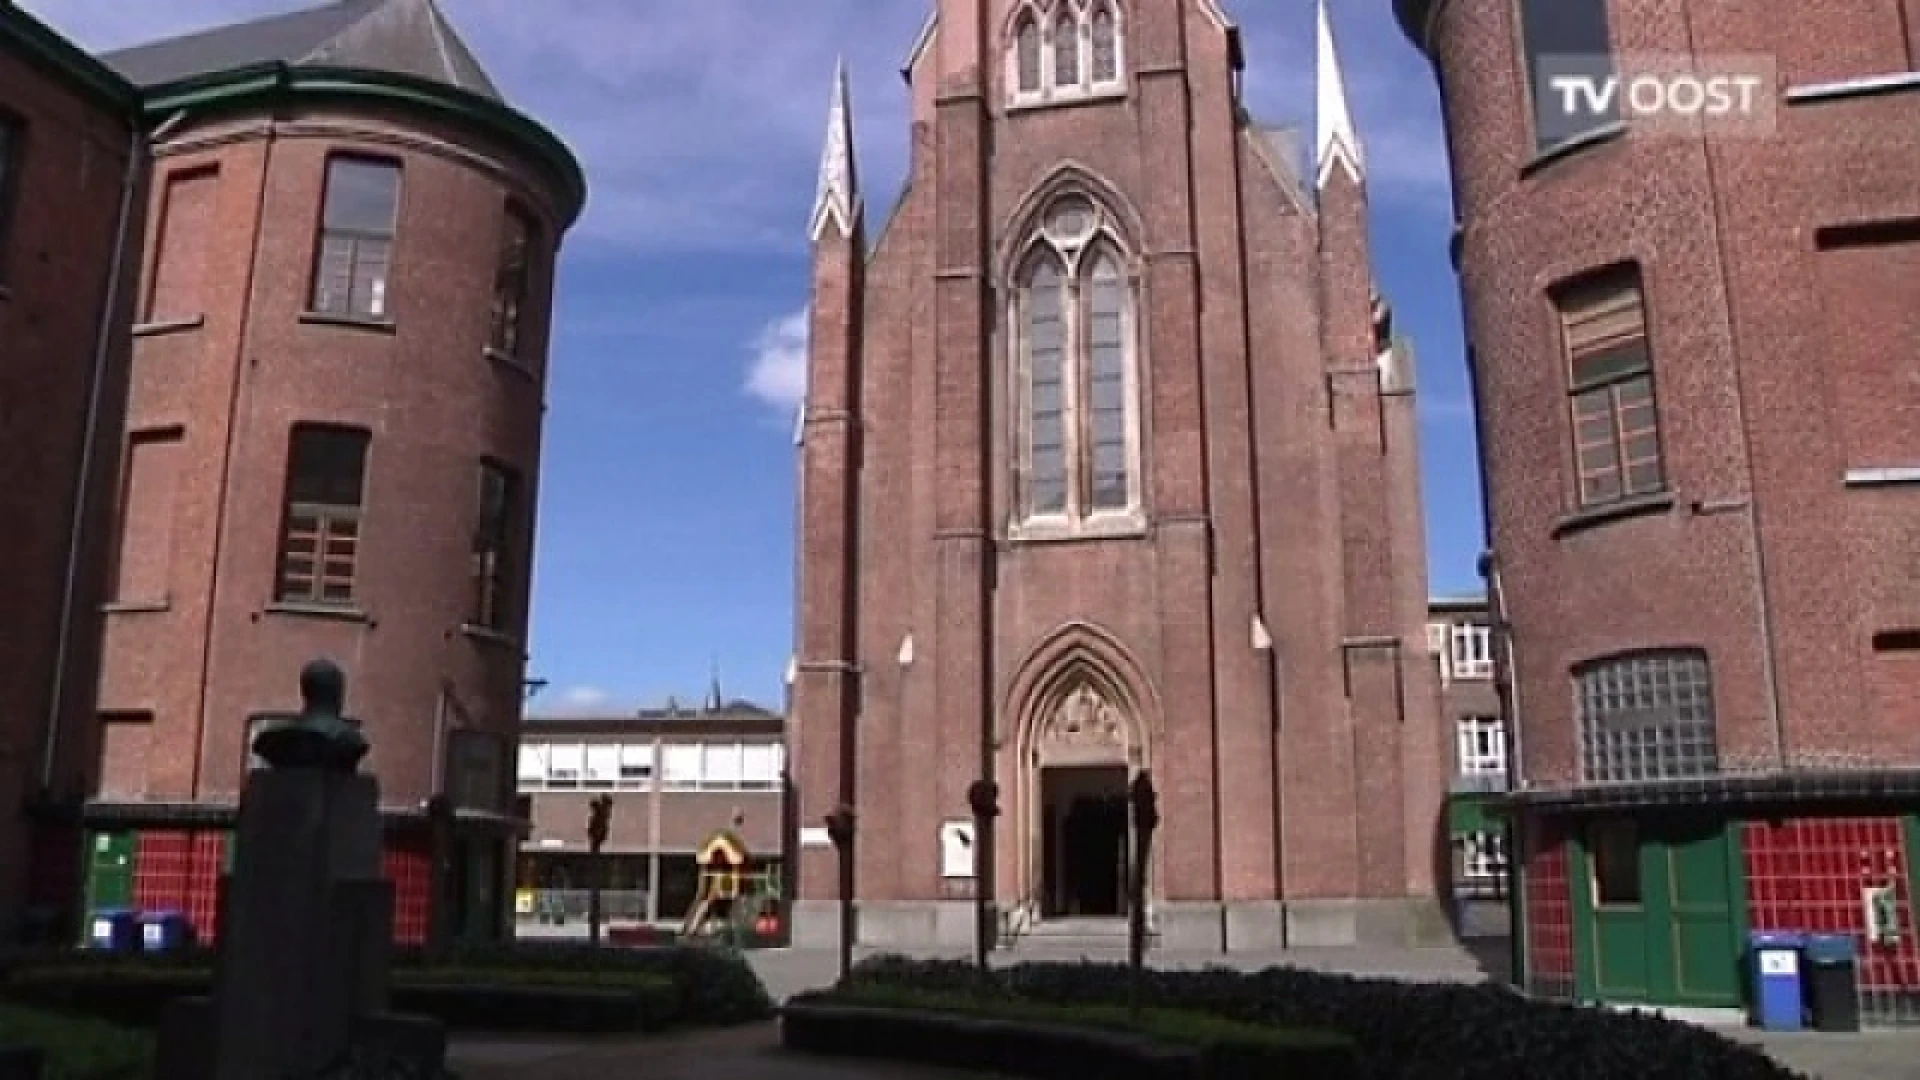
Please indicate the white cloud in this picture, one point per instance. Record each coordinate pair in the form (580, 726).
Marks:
(700, 123)
(778, 373)
(580, 701)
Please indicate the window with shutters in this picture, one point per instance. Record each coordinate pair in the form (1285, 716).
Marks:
(353, 265)
(325, 499)
(1077, 457)
(1615, 422)
(493, 546)
(10, 139)
(1065, 50)
(511, 282)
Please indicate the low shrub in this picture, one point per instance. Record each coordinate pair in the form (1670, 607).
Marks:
(1403, 1031)
(1032, 1039)
(653, 988)
(76, 1048)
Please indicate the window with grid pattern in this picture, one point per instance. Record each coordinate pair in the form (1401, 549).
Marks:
(1483, 856)
(511, 282)
(1616, 427)
(1027, 54)
(1646, 716)
(1066, 50)
(353, 262)
(1472, 651)
(493, 562)
(325, 496)
(1482, 745)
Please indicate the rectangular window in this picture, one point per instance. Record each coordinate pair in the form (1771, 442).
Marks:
(179, 262)
(603, 765)
(565, 764)
(636, 765)
(144, 563)
(1483, 857)
(720, 765)
(1616, 429)
(760, 767)
(493, 563)
(1472, 651)
(510, 283)
(680, 766)
(10, 141)
(533, 764)
(320, 540)
(1482, 745)
(1566, 37)
(1614, 848)
(354, 261)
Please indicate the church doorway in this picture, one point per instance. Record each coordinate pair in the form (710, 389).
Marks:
(1084, 841)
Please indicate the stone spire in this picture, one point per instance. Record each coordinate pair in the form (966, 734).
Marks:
(1337, 142)
(838, 198)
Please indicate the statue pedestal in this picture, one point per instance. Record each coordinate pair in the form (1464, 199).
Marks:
(306, 927)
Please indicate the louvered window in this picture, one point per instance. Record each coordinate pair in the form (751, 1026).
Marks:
(320, 536)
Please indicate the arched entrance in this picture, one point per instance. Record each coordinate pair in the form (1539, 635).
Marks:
(1083, 750)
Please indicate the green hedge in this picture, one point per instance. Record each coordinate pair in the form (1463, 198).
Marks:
(77, 1048)
(570, 990)
(1069, 1042)
(1401, 1031)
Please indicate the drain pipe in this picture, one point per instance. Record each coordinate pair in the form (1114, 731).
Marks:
(139, 144)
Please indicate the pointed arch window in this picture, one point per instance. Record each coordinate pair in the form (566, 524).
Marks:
(1027, 54)
(1066, 50)
(1077, 458)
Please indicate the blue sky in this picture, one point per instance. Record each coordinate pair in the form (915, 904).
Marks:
(666, 504)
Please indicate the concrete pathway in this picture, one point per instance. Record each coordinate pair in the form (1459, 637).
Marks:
(739, 1054)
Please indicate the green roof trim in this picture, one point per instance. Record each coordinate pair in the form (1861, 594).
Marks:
(265, 85)
(44, 47)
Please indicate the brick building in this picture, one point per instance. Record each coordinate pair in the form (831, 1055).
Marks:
(1108, 463)
(1460, 636)
(1693, 361)
(676, 775)
(333, 441)
(72, 196)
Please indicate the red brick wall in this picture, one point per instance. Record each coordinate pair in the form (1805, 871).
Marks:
(1806, 875)
(235, 365)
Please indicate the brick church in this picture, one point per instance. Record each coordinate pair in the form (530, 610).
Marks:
(1109, 463)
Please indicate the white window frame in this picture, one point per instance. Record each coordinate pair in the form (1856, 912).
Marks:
(1470, 758)
(1075, 257)
(644, 764)
(531, 772)
(1470, 651)
(1483, 857)
(669, 754)
(715, 779)
(1046, 15)
(557, 774)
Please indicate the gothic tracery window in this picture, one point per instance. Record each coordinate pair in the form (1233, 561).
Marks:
(1077, 387)
(1063, 50)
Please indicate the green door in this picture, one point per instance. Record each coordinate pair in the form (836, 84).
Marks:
(1658, 912)
(1701, 869)
(110, 870)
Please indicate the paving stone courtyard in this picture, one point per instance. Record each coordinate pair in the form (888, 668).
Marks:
(752, 1053)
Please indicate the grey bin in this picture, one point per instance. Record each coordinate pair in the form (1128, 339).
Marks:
(1832, 974)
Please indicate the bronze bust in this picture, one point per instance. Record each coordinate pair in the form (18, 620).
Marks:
(320, 737)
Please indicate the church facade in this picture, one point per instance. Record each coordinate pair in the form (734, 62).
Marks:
(1109, 463)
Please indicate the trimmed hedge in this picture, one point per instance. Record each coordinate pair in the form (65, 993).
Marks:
(1056, 1042)
(1402, 1031)
(572, 990)
(72, 1048)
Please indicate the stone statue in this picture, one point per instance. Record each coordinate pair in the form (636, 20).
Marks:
(320, 737)
(1382, 324)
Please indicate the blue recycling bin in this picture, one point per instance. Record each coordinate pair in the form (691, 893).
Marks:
(113, 930)
(1775, 958)
(164, 931)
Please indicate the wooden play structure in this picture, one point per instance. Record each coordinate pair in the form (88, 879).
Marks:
(727, 889)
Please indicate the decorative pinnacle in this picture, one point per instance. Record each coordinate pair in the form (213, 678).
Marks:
(1337, 142)
(838, 198)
